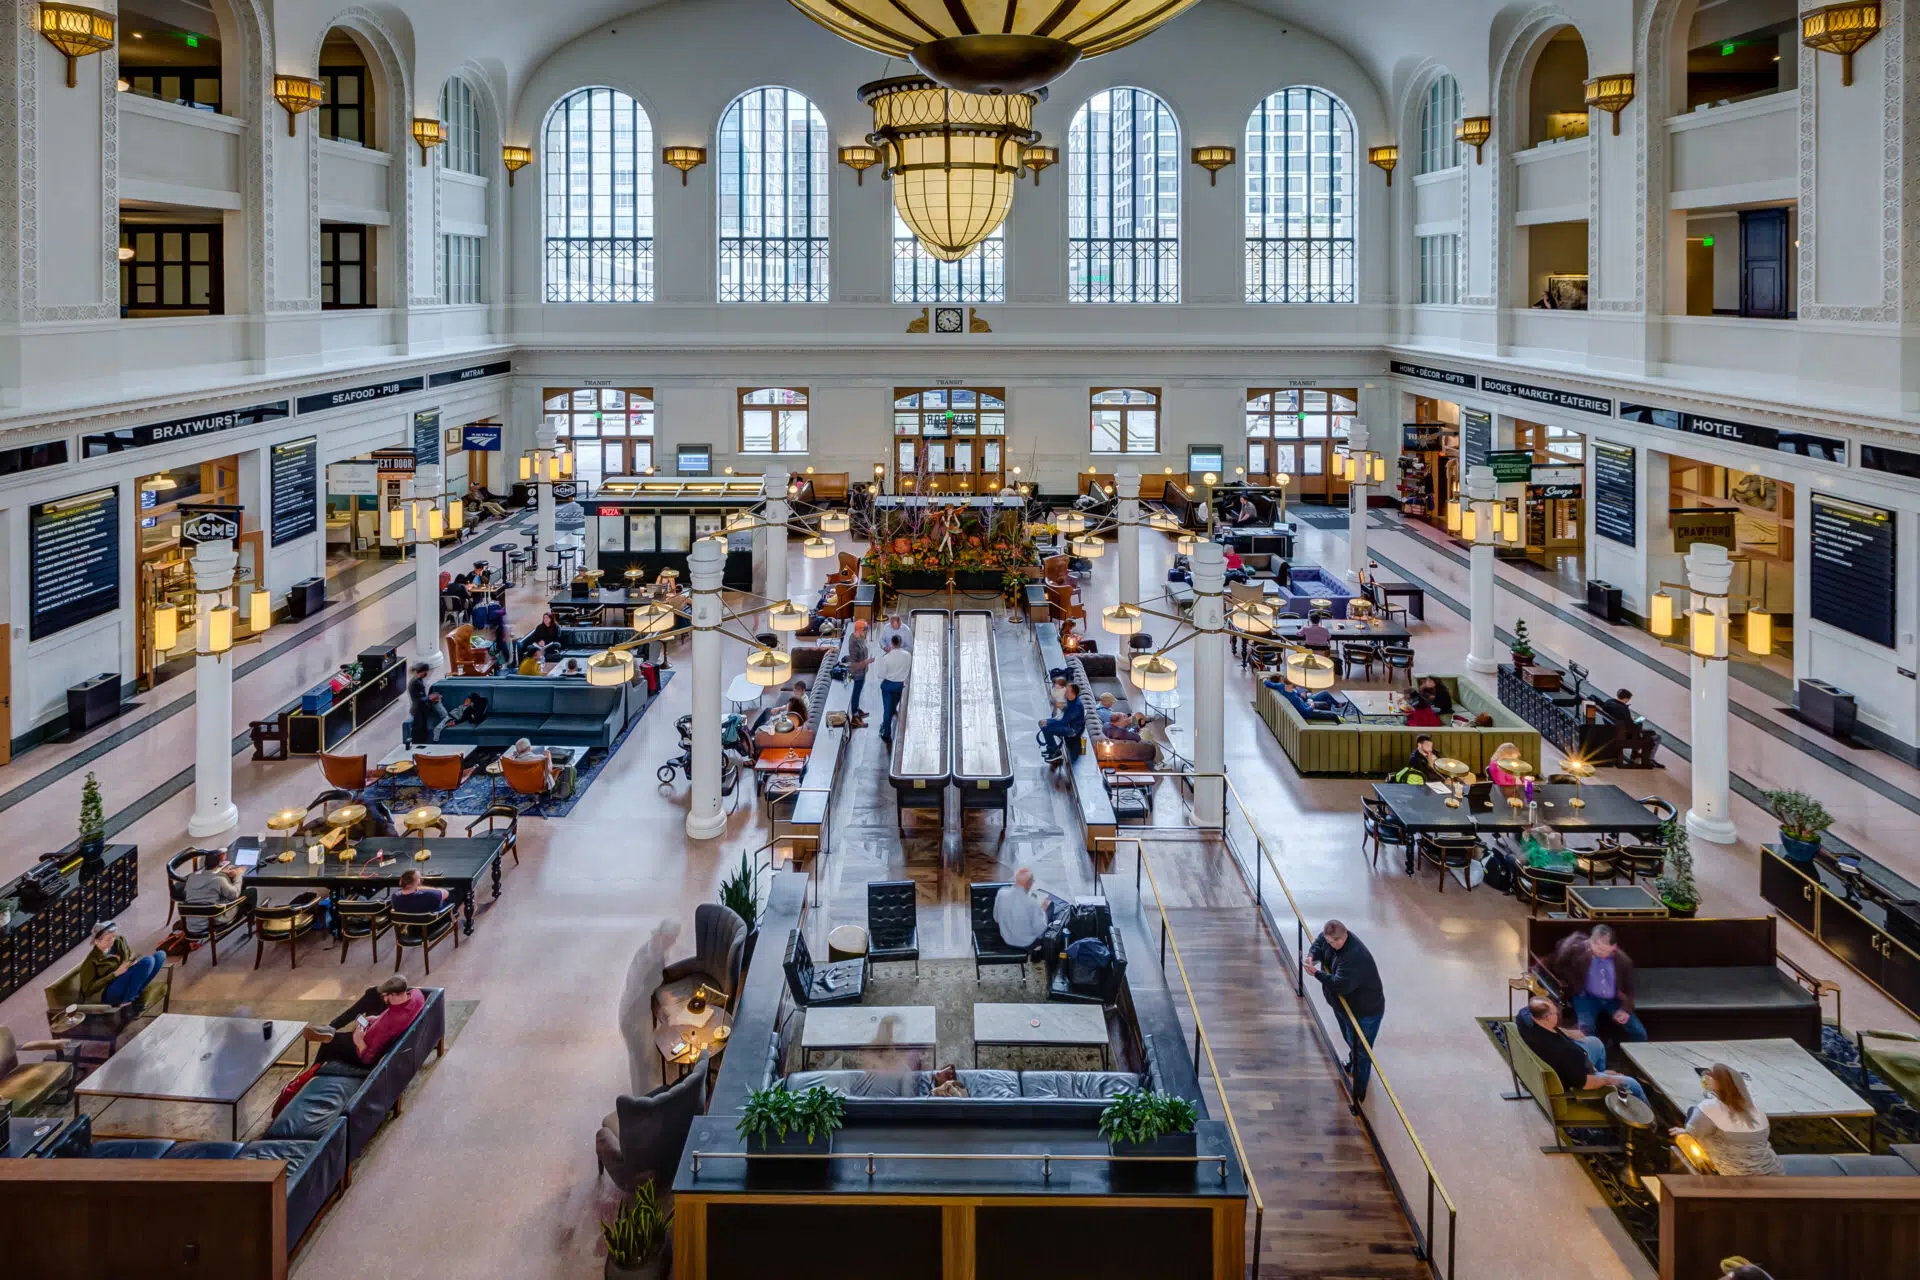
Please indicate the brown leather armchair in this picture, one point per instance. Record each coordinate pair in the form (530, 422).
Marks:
(30, 1086)
(102, 1027)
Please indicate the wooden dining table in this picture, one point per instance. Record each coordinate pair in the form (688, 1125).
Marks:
(1608, 810)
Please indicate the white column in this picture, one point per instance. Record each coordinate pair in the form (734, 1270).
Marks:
(426, 570)
(1357, 505)
(1480, 655)
(545, 443)
(1709, 573)
(774, 484)
(1126, 482)
(1209, 563)
(213, 808)
(704, 566)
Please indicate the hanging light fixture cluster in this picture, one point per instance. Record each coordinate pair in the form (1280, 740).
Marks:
(952, 157)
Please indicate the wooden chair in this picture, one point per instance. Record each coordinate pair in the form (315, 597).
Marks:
(1637, 860)
(525, 777)
(1364, 657)
(501, 813)
(440, 771)
(1398, 658)
(1383, 604)
(282, 924)
(1540, 886)
(425, 930)
(362, 919)
(1377, 824)
(1058, 571)
(349, 773)
(1450, 853)
(1659, 808)
(1598, 863)
(221, 919)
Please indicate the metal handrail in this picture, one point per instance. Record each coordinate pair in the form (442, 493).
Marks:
(1046, 1158)
(1202, 1043)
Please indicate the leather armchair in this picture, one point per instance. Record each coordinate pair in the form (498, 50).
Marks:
(30, 1086)
(893, 923)
(841, 982)
(103, 1025)
(179, 867)
(641, 1138)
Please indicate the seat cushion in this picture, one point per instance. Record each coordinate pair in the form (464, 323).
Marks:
(33, 1083)
(315, 1107)
(983, 1084)
(295, 1151)
(351, 1069)
(572, 728)
(1682, 989)
(129, 1148)
(858, 1084)
(516, 723)
(205, 1151)
(584, 700)
(534, 698)
(1847, 1166)
(1076, 1084)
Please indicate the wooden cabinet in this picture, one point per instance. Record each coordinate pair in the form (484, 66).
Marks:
(1792, 894)
(1846, 920)
(32, 940)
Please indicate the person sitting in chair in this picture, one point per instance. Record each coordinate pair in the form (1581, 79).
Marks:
(110, 974)
(1617, 709)
(1436, 694)
(216, 882)
(1422, 715)
(1311, 706)
(522, 752)
(1245, 512)
(1062, 733)
(1315, 634)
(1104, 707)
(1423, 759)
(380, 1018)
(1577, 1057)
(415, 896)
(1120, 728)
(1024, 913)
(542, 636)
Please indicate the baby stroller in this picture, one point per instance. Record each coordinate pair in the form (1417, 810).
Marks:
(733, 750)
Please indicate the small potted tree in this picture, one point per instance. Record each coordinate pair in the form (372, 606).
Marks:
(1158, 1126)
(740, 894)
(1522, 648)
(1802, 820)
(1675, 883)
(637, 1238)
(93, 820)
(779, 1122)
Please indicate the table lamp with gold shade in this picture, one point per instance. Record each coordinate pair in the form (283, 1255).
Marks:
(1454, 770)
(1579, 770)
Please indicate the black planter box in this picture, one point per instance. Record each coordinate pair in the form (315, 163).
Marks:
(1169, 1161)
(93, 702)
(787, 1172)
(306, 597)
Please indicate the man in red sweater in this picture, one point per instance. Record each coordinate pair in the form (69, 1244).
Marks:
(376, 1021)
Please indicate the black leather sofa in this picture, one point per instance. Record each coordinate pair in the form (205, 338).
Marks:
(363, 1096)
(316, 1166)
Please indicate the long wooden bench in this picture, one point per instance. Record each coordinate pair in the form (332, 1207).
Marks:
(810, 808)
(1098, 825)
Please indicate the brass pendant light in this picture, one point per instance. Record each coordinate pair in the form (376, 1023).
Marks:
(952, 157)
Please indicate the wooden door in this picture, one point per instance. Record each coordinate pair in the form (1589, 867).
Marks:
(1763, 263)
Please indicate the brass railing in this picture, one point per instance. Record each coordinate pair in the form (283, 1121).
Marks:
(1201, 1044)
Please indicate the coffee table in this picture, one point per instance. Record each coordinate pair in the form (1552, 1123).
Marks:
(693, 1033)
(183, 1057)
(874, 1027)
(1787, 1082)
(1614, 902)
(1025, 1026)
(1375, 703)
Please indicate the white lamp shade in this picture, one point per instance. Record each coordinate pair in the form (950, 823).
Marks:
(436, 524)
(220, 628)
(1759, 632)
(1156, 674)
(1185, 544)
(768, 668)
(1660, 614)
(553, 466)
(1161, 522)
(740, 522)
(396, 524)
(608, 669)
(786, 616)
(1707, 634)
(1121, 619)
(1379, 469)
(526, 466)
(1453, 515)
(1071, 522)
(1090, 547)
(1253, 617)
(259, 610)
(835, 522)
(456, 514)
(1469, 524)
(652, 619)
(817, 548)
(1310, 670)
(1510, 522)
(166, 627)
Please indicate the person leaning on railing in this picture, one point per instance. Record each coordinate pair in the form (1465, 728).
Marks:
(1345, 968)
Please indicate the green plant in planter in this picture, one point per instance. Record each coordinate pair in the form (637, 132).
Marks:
(93, 817)
(7, 907)
(639, 1231)
(1140, 1116)
(1675, 884)
(1522, 647)
(1800, 816)
(771, 1114)
(740, 892)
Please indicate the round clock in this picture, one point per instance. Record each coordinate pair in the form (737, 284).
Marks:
(947, 319)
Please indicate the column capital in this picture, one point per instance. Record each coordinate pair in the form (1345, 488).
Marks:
(1709, 569)
(705, 562)
(1209, 564)
(427, 481)
(1480, 486)
(213, 566)
(775, 481)
(1358, 438)
(1126, 481)
(544, 435)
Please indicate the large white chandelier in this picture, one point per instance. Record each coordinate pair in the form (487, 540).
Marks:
(952, 157)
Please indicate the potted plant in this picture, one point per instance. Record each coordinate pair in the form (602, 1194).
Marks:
(740, 894)
(637, 1238)
(1675, 883)
(1155, 1125)
(93, 819)
(7, 907)
(1802, 819)
(778, 1121)
(1522, 648)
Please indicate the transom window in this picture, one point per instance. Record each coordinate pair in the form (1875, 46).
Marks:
(1126, 420)
(1123, 200)
(1439, 149)
(343, 113)
(609, 429)
(175, 270)
(461, 115)
(346, 267)
(599, 199)
(918, 276)
(1300, 198)
(773, 420)
(773, 198)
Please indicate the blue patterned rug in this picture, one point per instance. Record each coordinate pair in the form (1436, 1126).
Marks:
(483, 788)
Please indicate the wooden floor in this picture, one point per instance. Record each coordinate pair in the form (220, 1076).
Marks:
(1330, 1211)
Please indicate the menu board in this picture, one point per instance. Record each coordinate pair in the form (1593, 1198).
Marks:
(295, 482)
(1476, 437)
(426, 437)
(1853, 568)
(1615, 500)
(75, 549)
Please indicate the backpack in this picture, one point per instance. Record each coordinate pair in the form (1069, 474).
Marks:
(1408, 775)
(1497, 872)
(1089, 962)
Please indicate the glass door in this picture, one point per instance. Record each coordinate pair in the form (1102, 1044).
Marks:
(952, 437)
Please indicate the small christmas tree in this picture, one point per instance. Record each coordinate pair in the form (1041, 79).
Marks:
(1521, 648)
(93, 818)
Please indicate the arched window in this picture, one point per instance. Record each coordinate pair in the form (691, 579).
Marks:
(1123, 200)
(773, 198)
(461, 116)
(599, 196)
(918, 276)
(1300, 198)
(1439, 116)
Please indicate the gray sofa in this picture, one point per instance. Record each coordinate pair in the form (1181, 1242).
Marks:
(1901, 1160)
(549, 711)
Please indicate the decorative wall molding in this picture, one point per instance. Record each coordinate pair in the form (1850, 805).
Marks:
(1892, 42)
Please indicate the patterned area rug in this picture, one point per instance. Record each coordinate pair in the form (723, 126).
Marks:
(192, 1122)
(483, 788)
(1317, 516)
(950, 987)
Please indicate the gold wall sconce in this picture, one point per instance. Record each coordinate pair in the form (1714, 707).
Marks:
(1213, 160)
(685, 159)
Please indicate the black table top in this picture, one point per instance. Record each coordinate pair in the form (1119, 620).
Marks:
(610, 597)
(1346, 631)
(1608, 809)
(458, 861)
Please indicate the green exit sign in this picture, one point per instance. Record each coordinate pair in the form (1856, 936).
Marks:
(1707, 241)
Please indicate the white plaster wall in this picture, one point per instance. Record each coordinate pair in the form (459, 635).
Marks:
(177, 155)
(354, 183)
(1736, 154)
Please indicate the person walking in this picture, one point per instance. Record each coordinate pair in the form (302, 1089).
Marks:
(1599, 978)
(859, 658)
(1345, 967)
(895, 665)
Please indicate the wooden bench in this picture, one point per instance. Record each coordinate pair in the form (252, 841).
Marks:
(269, 733)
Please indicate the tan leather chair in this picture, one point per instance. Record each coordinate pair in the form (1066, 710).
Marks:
(30, 1086)
(349, 773)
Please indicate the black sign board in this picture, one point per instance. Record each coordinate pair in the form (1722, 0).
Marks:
(1422, 437)
(295, 483)
(1476, 436)
(565, 491)
(426, 438)
(452, 376)
(393, 460)
(1511, 466)
(74, 545)
(1431, 374)
(103, 443)
(359, 395)
(1615, 494)
(209, 522)
(1549, 395)
(1853, 568)
(1754, 435)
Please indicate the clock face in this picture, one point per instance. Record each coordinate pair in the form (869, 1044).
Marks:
(947, 319)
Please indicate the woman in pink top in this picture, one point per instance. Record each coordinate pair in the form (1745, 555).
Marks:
(1497, 775)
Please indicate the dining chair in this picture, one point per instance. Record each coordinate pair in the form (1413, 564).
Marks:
(425, 930)
(282, 925)
(1398, 658)
(1365, 657)
(501, 813)
(1384, 604)
(220, 918)
(1598, 863)
(1540, 887)
(440, 771)
(1378, 824)
(1448, 852)
(1637, 860)
(361, 919)
(1659, 808)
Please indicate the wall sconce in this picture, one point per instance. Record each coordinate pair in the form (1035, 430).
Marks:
(1474, 131)
(298, 95)
(1213, 160)
(1384, 158)
(429, 134)
(1038, 158)
(1837, 28)
(859, 159)
(76, 32)
(516, 159)
(1610, 94)
(684, 159)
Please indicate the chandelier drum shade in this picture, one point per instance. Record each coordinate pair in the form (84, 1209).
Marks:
(992, 46)
(952, 157)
